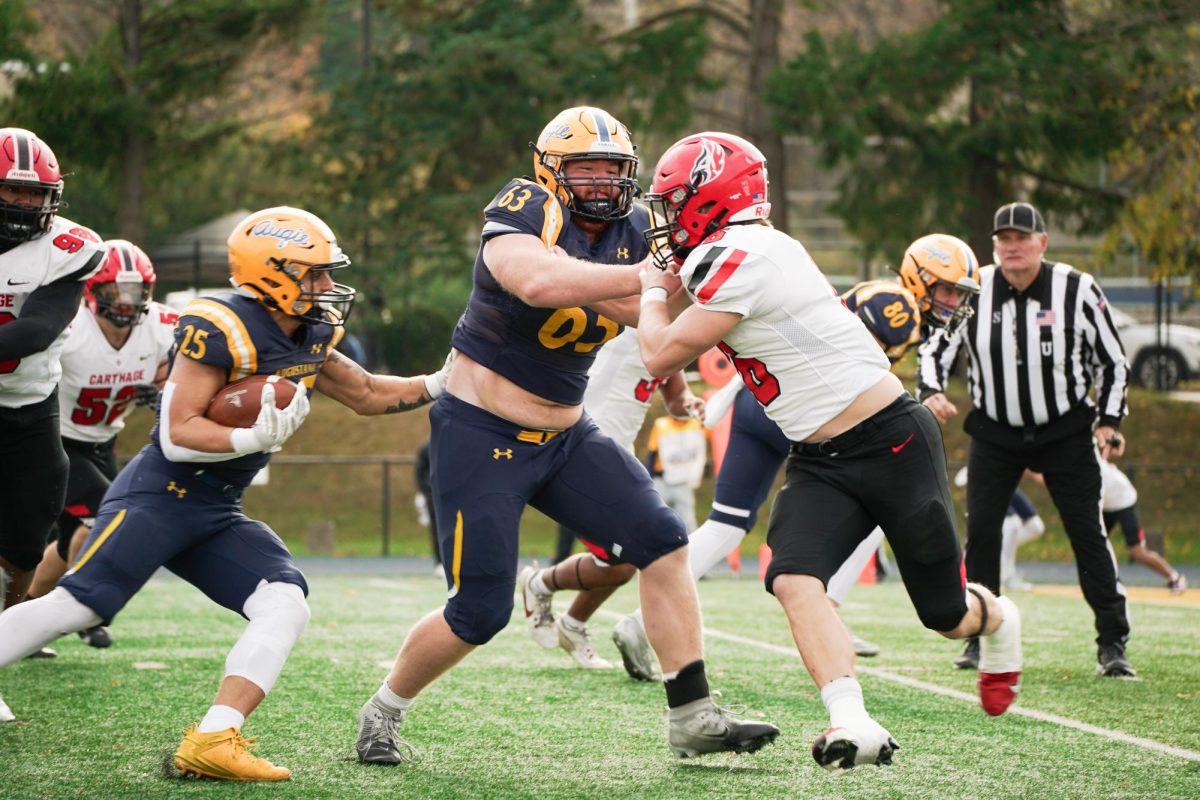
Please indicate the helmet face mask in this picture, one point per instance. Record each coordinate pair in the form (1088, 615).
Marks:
(702, 184)
(276, 255)
(585, 133)
(26, 162)
(123, 288)
(940, 264)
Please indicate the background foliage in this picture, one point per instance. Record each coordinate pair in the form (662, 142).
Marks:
(397, 119)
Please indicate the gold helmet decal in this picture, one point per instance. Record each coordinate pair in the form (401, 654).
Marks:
(941, 259)
(274, 255)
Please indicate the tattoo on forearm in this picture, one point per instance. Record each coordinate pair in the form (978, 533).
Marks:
(401, 407)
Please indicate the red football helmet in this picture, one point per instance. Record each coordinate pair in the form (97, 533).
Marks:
(26, 162)
(701, 184)
(123, 288)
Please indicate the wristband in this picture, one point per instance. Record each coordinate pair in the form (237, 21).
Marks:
(243, 441)
(434, 385)
(655, 294)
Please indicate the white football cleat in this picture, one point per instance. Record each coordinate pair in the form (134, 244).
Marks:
(539, 613)
(6, 714)
(579, 644)
(843, 747)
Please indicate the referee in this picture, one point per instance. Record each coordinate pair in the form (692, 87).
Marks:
(1040, 341)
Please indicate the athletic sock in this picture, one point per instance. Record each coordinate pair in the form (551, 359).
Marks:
(391, 702)
(221, 718)
(843, 699)
(686, 685)
(538, 586)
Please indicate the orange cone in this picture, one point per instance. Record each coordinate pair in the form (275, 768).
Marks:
(764, 561)
(735, 561)
(867, 575)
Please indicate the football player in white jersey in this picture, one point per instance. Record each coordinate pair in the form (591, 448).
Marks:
(116, 351)
(864, 452)
(617, 398)
(44, 260)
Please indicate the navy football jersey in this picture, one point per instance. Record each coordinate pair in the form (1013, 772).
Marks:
(238, 334)
(546, 351)
(890, 314)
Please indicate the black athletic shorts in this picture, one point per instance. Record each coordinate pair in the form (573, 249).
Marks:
(33, 480)
(890, 471)
(93, 467)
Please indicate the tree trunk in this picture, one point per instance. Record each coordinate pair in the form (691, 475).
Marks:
(131, 222)
(764, 59)
(983, 187)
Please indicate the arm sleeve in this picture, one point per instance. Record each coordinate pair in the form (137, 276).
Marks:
(44, 316)
(934, 359)
(1110, 371)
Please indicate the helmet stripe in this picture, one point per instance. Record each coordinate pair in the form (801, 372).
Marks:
(600, 120)
(126, 259)
(23, 151)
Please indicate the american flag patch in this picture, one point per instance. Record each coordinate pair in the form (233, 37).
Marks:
(1046, 318)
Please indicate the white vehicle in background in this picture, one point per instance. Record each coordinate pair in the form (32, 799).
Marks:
(1160, 365)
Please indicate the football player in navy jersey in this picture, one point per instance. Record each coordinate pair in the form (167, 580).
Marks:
(178, 502)
(555, 277)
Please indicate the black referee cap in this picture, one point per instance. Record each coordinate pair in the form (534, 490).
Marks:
(1018, 216)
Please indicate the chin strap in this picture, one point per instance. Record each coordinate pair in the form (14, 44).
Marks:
(983, 612)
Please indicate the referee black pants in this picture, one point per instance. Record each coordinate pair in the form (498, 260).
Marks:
(1072, 470)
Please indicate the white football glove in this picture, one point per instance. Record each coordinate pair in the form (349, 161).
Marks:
(274, 426)
(435, 383)
(720, 402)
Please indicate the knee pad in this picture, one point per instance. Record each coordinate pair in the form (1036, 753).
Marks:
(480, 608)
(278, 615)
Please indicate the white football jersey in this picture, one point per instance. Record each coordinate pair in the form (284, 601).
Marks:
(98, 381)
(802, 354)
(619, 389)
(65, 251)
(1116, 489)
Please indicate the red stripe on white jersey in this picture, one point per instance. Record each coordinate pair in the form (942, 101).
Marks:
(726, 269)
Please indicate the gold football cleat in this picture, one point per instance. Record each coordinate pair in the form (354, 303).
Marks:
(224, 755)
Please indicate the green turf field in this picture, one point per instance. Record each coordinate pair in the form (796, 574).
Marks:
(517, 721)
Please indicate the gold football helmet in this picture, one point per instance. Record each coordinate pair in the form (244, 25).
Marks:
(273, 250)
(941, 259)
(587, 133)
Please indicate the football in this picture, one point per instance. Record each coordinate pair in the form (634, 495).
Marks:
(237, 404)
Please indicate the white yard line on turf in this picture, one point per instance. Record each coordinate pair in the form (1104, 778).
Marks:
(1041, 716)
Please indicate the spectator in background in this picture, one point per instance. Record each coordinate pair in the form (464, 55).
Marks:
(676, 456)
(424, 504)
(1041, 339)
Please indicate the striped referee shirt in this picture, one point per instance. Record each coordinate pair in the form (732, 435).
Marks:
(1034, 355)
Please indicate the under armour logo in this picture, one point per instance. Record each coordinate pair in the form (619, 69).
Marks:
(178, 490)
(316, 348)
(623, 252)
(497, 453)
